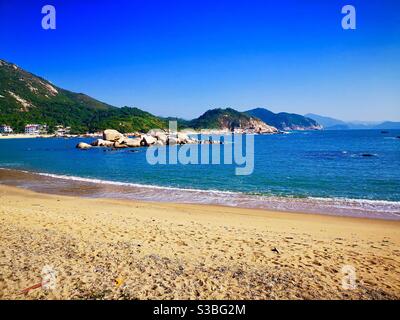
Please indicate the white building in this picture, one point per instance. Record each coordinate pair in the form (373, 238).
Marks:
(61, 130)
(32, 129)
(5, 129)
(35, 129)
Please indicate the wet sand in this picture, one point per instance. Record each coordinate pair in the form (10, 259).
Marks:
(94, 188)
(122, 249)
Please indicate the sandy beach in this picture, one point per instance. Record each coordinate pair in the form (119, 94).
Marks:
(25, 136)
(121, 249)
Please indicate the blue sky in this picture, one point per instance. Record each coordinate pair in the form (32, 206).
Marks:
(180, 58)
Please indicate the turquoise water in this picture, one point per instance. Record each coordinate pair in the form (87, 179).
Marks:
(322, 165)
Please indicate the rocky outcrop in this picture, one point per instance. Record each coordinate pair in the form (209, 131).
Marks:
(159, 143)
(133, 143)
(114, 139)
(83, 145)
(119, 145)
(259, 126)
(102, 143)
(172, 141)
(183, 138)
(112, 135)
(148, 140)
(162, 137)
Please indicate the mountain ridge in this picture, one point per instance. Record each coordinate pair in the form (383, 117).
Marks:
(229, 119)
(284, 120)
(330, 123)
(27, 98)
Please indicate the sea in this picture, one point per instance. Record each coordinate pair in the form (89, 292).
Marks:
(349, 173)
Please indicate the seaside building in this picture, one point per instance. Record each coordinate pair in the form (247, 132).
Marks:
(62, 131)
(5, 129)
(35, 129)
(32, 129)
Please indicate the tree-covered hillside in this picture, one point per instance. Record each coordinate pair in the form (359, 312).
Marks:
(220, 119)
(26, 98)
(284, 120)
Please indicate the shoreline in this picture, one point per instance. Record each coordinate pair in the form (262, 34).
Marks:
(97, 188)
(189, 251)
(45, 136)
(24, 136)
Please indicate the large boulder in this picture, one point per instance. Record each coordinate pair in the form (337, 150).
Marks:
(133, 143)
(122, 140)
(162, 137)
(102, 143)
(159, 143)
(183, 138)
(112, 135)
(172, 141)
(118, 145)
(148, 140)
(83, 145)
(154, 132)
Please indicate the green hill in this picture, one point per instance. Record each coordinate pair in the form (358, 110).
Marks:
(27, 98)
(227, 119)
(284, 120)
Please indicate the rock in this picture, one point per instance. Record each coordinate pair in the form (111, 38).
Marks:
(182, 137)
(162, 137)
(398, 137)
(275, 250)
(159, 143)
(159, 135)
(260, 127)
(367, 155)
(112, 135)
(148, 140)
(83, 145)
(172, 141)
(210, 142)
(193, 141)
(155, 132)
(119, 145)
(133, 143)
(122, 140)
(102, 143)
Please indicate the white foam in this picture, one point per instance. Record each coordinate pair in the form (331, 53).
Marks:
(118, 183)
(334, 205)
